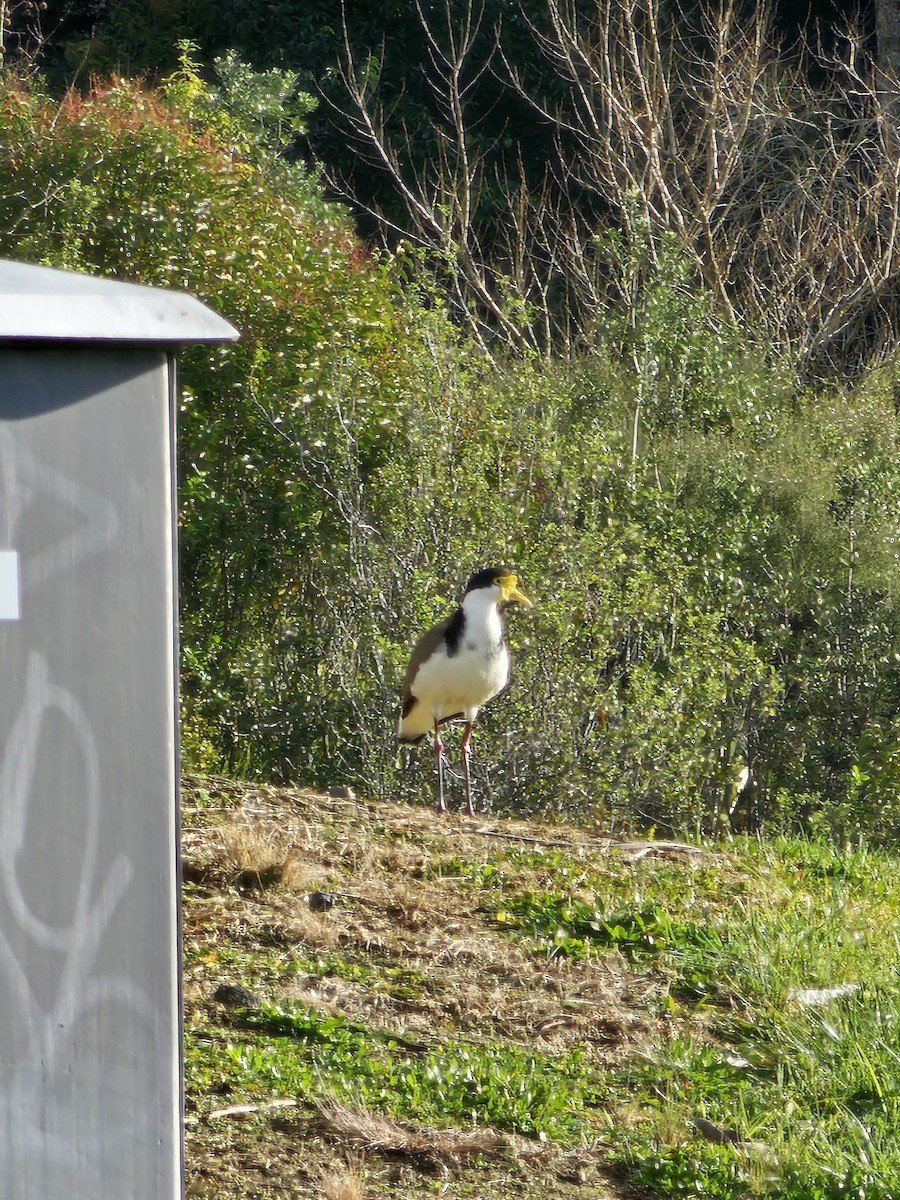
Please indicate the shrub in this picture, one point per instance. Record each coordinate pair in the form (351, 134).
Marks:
(712, 554)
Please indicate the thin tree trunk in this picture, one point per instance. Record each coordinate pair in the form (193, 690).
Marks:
(887, 33)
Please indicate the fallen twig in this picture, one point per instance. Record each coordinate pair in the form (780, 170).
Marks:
(240, 1110)
(635, 850)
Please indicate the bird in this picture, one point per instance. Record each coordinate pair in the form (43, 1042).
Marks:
(457, 666)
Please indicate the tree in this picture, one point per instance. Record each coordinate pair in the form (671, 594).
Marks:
(887, 36)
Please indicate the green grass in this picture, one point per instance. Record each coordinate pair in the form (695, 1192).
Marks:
(305, 1054)
(816, 1087)
(570, 927)
(401, 983)
(716, 953)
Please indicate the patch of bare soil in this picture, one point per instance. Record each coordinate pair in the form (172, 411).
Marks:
(270, 871)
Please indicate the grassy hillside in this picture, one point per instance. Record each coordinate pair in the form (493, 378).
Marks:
(487, 1008)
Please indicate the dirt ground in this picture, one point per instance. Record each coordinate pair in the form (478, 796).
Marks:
(253, 857)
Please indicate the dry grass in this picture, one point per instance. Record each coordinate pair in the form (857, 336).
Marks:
(391, 902)
(405, 950)
(250, 856)
(343, 1183)
(376, 1134)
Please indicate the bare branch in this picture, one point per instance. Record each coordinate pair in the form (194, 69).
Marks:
(782, 194)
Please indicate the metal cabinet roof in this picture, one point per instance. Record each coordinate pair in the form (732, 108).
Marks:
(41, 304)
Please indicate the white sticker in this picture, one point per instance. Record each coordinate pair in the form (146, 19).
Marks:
(9, 585)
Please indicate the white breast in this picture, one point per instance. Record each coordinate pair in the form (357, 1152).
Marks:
(465, 680)
(461, 683)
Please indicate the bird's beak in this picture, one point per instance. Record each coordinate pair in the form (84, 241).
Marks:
(509, 588)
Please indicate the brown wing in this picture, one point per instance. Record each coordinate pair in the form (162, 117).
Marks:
(424, 648)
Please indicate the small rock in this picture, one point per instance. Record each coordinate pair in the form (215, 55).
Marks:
(713, 1133)
(192, 872)
(342, 793)
(235, 996)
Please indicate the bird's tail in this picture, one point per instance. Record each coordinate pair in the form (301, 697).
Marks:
(414, 725)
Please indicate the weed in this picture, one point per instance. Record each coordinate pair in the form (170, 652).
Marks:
(311, 1054)
(402, 983)
(342, 1183)
(725, 981)
(483, 875)
(570, 927)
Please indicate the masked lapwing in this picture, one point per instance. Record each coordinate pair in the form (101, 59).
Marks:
(457, 666)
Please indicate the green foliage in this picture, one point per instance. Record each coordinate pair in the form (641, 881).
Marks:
(804, 1072)
(690, 1171)
(699, 1171)
(788, 1045)
(713, 554)
(688, 367)
(122, 182)
(312, 1055)
(570, 925)
(246, 109)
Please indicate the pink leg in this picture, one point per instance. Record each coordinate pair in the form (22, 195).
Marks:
(464, 750)
(441, 804)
